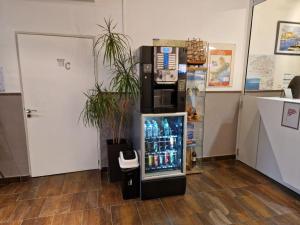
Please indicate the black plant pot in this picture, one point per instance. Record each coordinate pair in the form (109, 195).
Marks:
(113, 152)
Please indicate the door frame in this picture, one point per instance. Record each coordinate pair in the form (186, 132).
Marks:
(251, 6)
(17, 34)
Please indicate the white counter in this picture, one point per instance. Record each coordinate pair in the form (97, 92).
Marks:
(278, 153)
(280, 99)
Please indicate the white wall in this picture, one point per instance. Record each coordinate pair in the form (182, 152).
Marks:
(212, 20)
(263, 35)
(217, 21)
(220, 124)
(48, 16)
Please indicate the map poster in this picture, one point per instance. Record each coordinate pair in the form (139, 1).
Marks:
(220, 61)
(260, 71)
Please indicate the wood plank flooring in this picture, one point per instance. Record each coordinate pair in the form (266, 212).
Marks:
(227, 192)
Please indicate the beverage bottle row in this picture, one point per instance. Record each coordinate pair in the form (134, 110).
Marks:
(155, 145)
(152, 129)
(162, 159)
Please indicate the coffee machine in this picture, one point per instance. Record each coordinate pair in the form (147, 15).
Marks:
(163, 79)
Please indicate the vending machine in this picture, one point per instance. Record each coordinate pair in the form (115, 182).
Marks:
(160, 121)
(161, 139)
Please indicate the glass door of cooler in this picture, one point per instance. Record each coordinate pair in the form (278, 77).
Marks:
(163, 152)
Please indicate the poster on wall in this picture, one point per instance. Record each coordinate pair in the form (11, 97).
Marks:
(220, 65)
(260, 72)
(287, 38)
(291, 115)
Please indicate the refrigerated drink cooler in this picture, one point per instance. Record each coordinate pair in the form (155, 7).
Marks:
(160, 139)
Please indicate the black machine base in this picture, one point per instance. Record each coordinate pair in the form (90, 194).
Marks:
(163, 187)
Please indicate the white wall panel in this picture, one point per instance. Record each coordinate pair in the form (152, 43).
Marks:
(212, 20)
(47, 16)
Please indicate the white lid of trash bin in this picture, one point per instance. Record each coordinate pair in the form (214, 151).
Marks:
(131, 163)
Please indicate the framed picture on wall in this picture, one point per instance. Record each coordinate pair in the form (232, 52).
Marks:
(220, 65)
(287, 38)
(291, 115)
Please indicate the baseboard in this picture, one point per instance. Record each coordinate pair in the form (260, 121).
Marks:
(9, 180)
(216, 158)
(104, 169)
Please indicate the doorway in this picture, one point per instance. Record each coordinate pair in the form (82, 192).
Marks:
(55, 71)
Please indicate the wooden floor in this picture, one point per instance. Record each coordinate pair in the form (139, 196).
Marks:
(227, 192)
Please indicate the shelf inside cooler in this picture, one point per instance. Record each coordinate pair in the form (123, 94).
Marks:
(160, 168)
(194, 145)
(160, 152)
(161, 137)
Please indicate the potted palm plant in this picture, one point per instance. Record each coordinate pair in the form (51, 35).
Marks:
(110, 105)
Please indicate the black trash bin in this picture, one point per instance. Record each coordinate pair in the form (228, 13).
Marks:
(130, 169)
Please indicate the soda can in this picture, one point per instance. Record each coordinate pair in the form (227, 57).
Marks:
(147, 146)
(171, 157)
(150, 160)
(175, 157)
(147, 160)
(161, 146)
(150, 146)
(167, 158)
(155, 160)
(155, 146)
(161, 159)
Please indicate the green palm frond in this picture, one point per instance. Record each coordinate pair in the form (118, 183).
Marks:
(125, 81)
(112, 43)
(100, 104)
(103, 105)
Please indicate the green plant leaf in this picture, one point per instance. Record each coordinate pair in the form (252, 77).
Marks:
(112, 43)
(110, 106)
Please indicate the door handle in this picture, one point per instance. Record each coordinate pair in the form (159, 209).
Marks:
(29, 111)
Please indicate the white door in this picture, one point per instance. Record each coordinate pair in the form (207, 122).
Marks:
(55, 72)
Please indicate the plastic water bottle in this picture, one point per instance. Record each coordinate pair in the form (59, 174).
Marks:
(176, 127)
(172, 143)
(155, 130)
(162, 125)
(149, 129)
(145, 129)
(155, 134)
(166, 128)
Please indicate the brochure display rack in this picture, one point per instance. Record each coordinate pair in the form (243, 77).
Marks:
(195, 102)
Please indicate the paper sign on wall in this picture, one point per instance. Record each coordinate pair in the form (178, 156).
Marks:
(290, 115)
